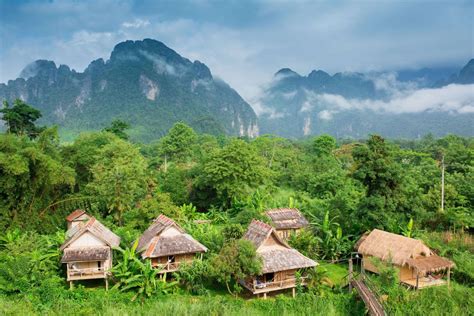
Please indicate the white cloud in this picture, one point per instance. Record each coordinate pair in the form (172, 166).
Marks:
(452, 99)
(137, 23)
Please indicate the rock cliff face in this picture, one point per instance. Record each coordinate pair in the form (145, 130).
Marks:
(144, 83)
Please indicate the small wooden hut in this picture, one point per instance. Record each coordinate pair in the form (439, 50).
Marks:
(418, 266)
(167, 245)
(87, 250)
(287, 221)
(280, 261)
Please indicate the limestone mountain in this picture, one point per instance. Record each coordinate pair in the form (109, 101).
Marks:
(408, 103)
(144, 83)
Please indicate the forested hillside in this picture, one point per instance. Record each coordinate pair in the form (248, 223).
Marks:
(344, 188)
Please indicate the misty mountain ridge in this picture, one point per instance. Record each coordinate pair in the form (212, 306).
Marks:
(406, 103)
(144, 83)
(151, 86)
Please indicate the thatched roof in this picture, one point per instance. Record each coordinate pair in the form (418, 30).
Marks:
(96, 228)
(284, 259)
(400, 250)
(287, 218)
(174, 245)
(431, 264)
(75, 215)
(258, 232)
(86, 254)
(275, 258)
(158, 225)
(154, 242)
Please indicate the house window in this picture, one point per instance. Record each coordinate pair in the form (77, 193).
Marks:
(171, 259)
(99, 264)
(269, 277)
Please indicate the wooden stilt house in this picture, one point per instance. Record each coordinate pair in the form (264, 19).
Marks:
(167, 245)
(287, 221)
(280, 261)
(87, 250)
(418, 266)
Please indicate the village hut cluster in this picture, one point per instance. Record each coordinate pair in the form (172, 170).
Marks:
(88, 249)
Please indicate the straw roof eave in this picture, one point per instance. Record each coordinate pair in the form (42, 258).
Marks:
(431, 264)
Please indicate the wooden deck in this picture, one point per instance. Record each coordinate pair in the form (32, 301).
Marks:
(424, 282)
(87, 274)
(270, 286)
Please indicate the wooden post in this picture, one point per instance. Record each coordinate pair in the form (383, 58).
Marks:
(449, 276)
(106, 284)
(442, 184)
(350, 274)
(362, 270)
(265, 295)
(71, 285)
(417, 278)
(294, 292)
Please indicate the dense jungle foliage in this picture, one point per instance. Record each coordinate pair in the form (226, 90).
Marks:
(344, 188)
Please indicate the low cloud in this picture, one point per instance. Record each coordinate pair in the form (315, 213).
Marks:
(136, 24)
(452, 99)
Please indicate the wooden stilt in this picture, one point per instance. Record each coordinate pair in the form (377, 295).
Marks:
(265, 295)
(71, 285)
(417, 278)
(350, 274)
(362, 270)
(106, 284)
(449, 276)
(294, 292)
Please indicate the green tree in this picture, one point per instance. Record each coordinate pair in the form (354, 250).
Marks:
(381, 175)
(236, 261)
(32, 176)
(20, 118)
(178, 143)
(118, 127)
(231, 172)
(119, 177)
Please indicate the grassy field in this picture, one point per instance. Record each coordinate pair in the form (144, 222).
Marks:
(97, 301)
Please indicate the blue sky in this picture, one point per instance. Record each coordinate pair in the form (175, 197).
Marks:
(243, 42)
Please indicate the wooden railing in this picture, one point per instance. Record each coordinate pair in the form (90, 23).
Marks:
(73, 271)
(170, 266)
(255, 286)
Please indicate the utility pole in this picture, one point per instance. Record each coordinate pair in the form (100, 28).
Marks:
(442, 183)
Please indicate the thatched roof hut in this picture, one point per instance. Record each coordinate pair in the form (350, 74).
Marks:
(277, 255)
(87, 250)
(401, 251)
(412, 256)
(164, 238)
(287, 218)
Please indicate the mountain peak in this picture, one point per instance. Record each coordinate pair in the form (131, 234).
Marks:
(131, 50)
(466, 75)
(286, 72)
(318, 75)
(39, 67)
